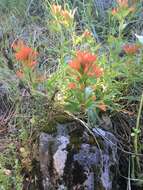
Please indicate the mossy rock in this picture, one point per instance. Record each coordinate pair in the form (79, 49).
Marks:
(62, 118)
(50, 128)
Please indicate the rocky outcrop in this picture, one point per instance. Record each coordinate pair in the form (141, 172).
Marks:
(71, 160)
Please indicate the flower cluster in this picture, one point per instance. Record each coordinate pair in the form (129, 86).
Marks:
(84, 73)
(115, 11)
(122, 6)
(63, 16)
(24, 54)
(56, 9)
(122, 3)
(84, 63)
(87, 34)
(131, 49)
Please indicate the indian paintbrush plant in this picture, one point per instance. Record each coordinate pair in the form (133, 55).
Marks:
(83, 75)
(87, 76)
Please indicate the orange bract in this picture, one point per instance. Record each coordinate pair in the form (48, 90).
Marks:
(56, 9)
(24, 54)
(66, 14)
(63, 16)
(115, 11)
(84, 64)
(85, 57)
(72, 85)
(86, 34)
(20, 74)
(95, 71)
(17, 44)
(75, 64)
(131, 48)
(122, 3)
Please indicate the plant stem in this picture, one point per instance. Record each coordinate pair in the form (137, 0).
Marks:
(136, 138)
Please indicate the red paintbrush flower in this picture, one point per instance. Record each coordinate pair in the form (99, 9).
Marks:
(17, 44)
(85, 57)
(81, 60)
(86, 34)
(131, 48)
(122, 3)
(56, 9)
(95, 71)
(84, 64)
(72, 85)
(24, 53)
(75, 64)
(114, 11)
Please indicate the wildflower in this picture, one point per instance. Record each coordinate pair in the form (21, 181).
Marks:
(63, 16)
(75, 64)
(85, 58)
(131, 48)
(72, 85)
(84, 64)
(20, 74)
(102, 106)
(25, 54)
(56, 9)
(114, 11)
(67, 15)
(122, 3)
(95, 70)
(86, 34)
(122, 6)
(17, 44)
(78, 78)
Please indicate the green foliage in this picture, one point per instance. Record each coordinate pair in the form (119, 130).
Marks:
(8, 6)
(62, 87)
(120, 72)
(10, 170)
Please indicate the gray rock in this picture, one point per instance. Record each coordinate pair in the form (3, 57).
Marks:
(60, 155)
(68, 161)
(46, 160)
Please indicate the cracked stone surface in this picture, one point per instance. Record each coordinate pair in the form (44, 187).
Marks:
(69, 160)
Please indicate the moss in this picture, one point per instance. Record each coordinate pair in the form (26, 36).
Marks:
(76, 141)
(76, 138)
(50, 128)
(91, 140)
(59, 118)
